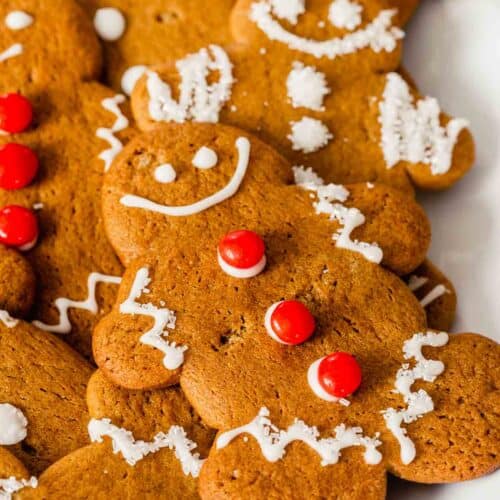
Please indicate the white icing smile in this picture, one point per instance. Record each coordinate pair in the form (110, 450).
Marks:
(379, 35)
(243, 147)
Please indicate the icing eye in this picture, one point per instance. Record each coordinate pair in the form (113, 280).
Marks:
(345, 14)
(205, 158)
(335, 376)
(165, 174)
(18, 20)
(289, 322)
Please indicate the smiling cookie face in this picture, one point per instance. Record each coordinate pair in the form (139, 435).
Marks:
(45, 43)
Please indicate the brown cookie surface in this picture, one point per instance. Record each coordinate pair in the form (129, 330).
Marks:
(45, 379)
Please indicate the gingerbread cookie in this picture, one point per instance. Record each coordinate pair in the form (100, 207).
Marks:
(135, 35)
(319, 81)
(436, 294)
(62, 136)
(42, 395)
(153, 456)
(13, 475)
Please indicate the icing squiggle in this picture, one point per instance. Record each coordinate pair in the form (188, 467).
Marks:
(379, 35)
(243, 147)
(413, 132)
(7, 319)
(418, 403)
(273, 441)
(198, 100)
(90, 304)
(12, 485)
(329, 201)
(111, 104)
(13, 51)
(417, 282)
(163, 318)
(133, 451)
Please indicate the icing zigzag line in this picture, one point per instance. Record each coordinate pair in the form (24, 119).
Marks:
(90, 304)
(133, 451)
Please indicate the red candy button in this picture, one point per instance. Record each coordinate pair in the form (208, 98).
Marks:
(16, 113)
(18, 227)
(339, 374)
(18, 166)
(242, 254)
(290, 322)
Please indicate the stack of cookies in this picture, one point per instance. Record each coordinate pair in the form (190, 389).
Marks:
(214, 277)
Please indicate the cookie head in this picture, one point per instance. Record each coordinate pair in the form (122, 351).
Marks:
(37, 39)
(349, 31)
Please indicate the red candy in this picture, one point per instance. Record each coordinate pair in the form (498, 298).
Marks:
(292, 322)
(242, 249)
(339, 374)
(18, 227)
(16, 113)
(18, 166)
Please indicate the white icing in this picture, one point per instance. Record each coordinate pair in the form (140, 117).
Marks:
(345, 14)
(378, 35)
(133, 451)
(329, 201)
(205, 158)
(112, 104)
(13, 51)
(18, 20)
(417, 282)
(273, 441)
(316, 387)
(307, 87)
(237, 272)
(12, 485)
(268, 324)
(290, 10)
(413, 132)
(165, 173)
(130, 78)
(309, 135)
(7, 319)
(109, 24)
(13, 425)
(198, 101)
(243, 147)
(90, 304)
(418, 403)
(163, 318)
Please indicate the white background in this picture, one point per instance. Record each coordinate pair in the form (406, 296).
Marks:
(453, 52)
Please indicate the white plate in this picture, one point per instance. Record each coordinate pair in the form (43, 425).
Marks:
(453, 52)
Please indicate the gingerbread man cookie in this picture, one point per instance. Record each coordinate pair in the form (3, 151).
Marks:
(319, 81)
(61, 135)
(155, 456)
(42, 395)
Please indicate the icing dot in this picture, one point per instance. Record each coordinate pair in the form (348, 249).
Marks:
(289, 10)
(309, 135)
(18, 166)
(205, 158)
(14, 423)
(18, 20)
(18, 227)
(165, 174)
(345, 14)
(242, 254)
(289, 322)
(109, 24)
(16, 113)
(131, 77)
(307, 87)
